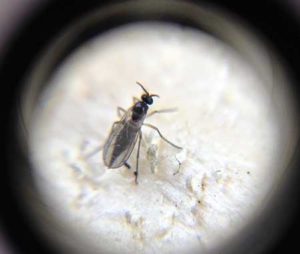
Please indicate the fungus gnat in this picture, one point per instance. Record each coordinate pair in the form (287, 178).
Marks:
(125, 133)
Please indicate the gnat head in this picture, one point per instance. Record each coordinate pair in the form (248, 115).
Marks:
(146, 97)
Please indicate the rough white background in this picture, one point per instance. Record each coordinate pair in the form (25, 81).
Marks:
(196, 197)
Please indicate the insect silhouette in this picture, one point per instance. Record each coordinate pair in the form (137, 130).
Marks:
(127, 131)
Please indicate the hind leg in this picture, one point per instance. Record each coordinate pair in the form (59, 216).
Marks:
(159, 133)
(136, 172)
(126, 164)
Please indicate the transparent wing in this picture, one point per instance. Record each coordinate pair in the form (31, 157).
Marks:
(120, 143)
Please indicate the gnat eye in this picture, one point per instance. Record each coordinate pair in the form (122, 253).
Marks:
(147, 99)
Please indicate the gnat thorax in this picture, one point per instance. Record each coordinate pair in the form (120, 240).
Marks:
(139, 111)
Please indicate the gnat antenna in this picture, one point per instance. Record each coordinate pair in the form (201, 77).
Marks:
(144, 89)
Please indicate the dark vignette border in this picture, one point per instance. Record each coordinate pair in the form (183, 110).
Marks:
(274, 19)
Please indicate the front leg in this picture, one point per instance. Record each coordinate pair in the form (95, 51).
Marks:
(120, 112)
(167, 110)
(135, 99)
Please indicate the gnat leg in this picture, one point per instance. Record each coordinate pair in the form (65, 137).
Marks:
(136, 172)
(126, 164)
(168, 110)
(159, 133)
(120, 111)
(135, 99)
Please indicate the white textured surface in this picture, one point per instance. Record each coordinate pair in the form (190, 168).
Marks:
(191, 198)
